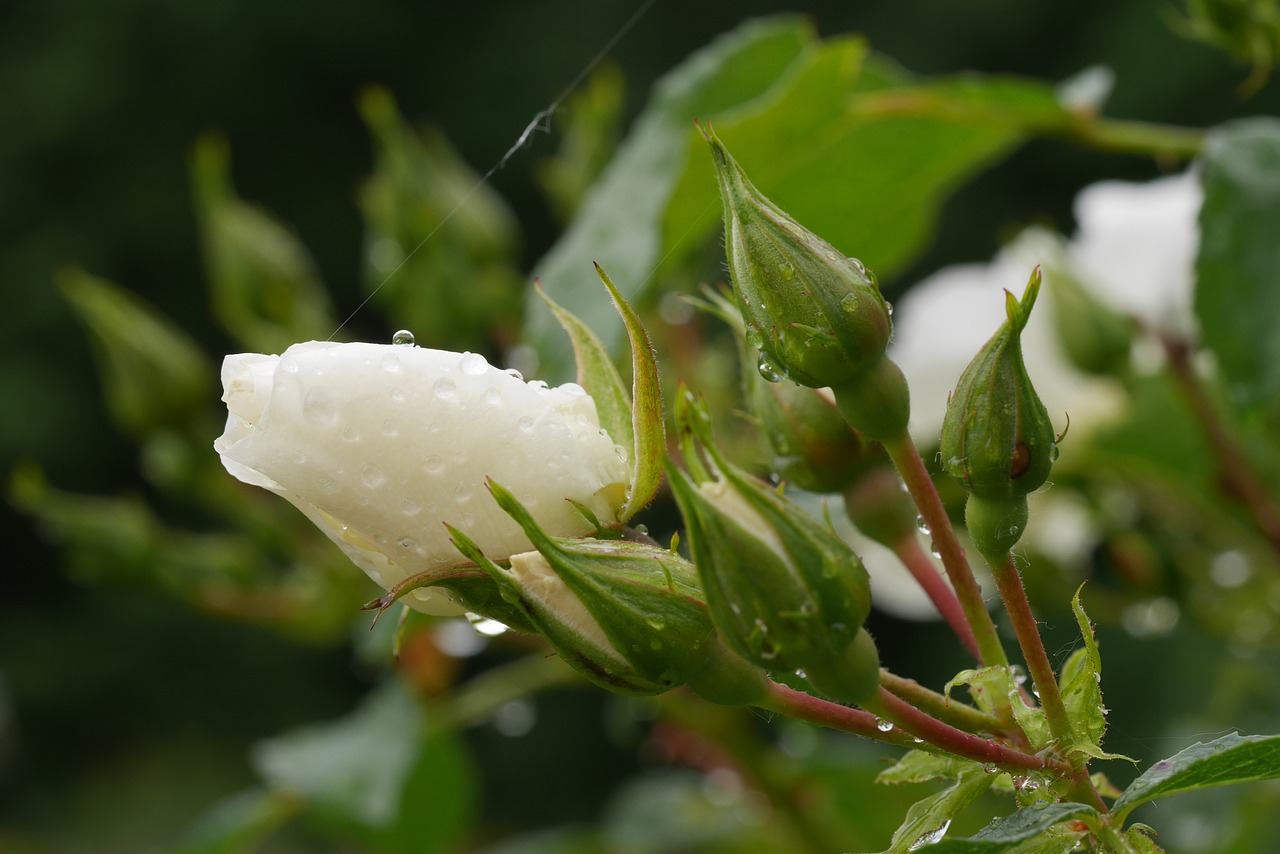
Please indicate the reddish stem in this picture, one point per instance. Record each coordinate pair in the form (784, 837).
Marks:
(943, 597)
(906, 457)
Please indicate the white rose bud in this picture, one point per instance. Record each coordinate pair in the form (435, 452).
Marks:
(380, 445)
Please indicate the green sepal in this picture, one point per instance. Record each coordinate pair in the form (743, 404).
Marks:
(474, 589)
(784, 591)
(650, 442)
(598, 375)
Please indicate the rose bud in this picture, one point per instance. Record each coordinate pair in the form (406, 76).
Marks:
(1094, 337)
(816, 316)
(784, 591)
(997, 439)
(380, 444)
(628, 616)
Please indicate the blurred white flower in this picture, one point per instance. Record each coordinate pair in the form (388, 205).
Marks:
(380, 445)
(1135, 251)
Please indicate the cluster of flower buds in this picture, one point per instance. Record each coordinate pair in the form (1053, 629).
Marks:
(817, 316)
(783, 590)
(997, 439)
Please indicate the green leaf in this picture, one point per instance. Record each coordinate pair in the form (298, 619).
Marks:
(989, 686)
(1025, 831)
(920, 767)
(153, 373)
(1223, 761)
(598, 375)
(649, 440)
(1082, 693)
(620, 221)
(929, 818)
(1238, 267)
(377, 769)
(235, 824)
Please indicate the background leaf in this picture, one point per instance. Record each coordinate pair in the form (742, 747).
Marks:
(1238, 268)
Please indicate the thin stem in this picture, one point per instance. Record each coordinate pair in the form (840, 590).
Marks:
(943, 597)
(911, 723)
(1128, 137)
(956, 741)
(906, 457)
(1238, 477)
(1014, 595)
(480, 697)
(957, 714)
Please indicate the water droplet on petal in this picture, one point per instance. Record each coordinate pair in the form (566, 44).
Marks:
(433, 464)
(389, 428)
(402, 338)
(289, 365)
(391, 363)
(409, 507)
(525, 424)
(407, 543)
(492, 396)
(318, 407)
(463, 493)
(473, 364)
(372, 476)
(351, 433)
(444, 388)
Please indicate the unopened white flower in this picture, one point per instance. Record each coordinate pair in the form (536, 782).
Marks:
(380, 445)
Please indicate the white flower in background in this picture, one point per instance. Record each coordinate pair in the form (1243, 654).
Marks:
(1136, 245)
(380, 445)
(1135, 251)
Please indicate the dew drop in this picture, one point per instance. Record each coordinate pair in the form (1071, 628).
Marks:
(317, 406)
(990, 769)
(492, 396)
(289, 365)
(1019, 674)
(402, 338)
(409, 507)
(849, 305)
(931, 838)
(434, 464)
(407, 543)
(397, 395)
(445, 388)
(351, 433)
(391, 363)
(372, 476)
(883, 725)
(859, 266)
(767, 369)
(389, 428)
(514, 374)
(888, 308)
(463, 493)
(473, 364)
(485, 626)
(922, 526)
(935, 551)
(525, 424)
(1053, 453)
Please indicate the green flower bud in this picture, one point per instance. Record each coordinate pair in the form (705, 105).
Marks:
(811, 443)
(817, 316)
(627, 616)
(996, 436)
(1094, 337)
(880, 508)
(784, 591)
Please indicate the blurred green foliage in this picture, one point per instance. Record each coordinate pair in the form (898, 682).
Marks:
(157, 619)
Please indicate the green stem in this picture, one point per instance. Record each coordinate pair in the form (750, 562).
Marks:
(956, 741)
(1014, 595)
(943, 597)
(953, 712)
(1129, 137)
(906, 457)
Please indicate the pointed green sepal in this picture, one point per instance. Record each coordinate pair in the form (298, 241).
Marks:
(646, 396)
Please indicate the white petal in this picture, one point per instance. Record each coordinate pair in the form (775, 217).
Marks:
(380, 445)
